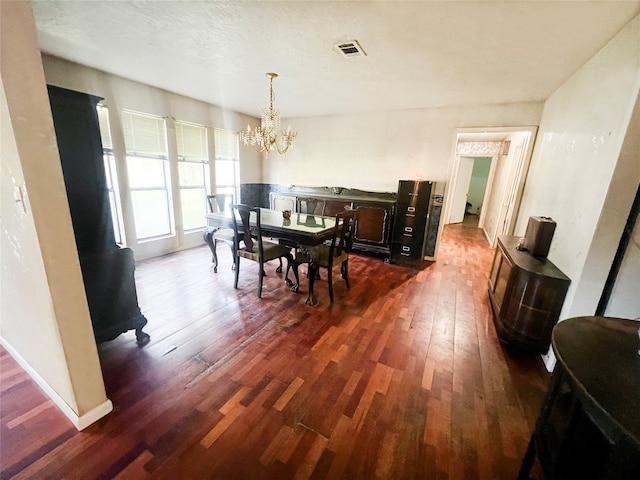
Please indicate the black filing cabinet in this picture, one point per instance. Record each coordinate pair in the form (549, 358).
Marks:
(410, 223)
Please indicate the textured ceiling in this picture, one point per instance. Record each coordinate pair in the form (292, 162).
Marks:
(420, 54)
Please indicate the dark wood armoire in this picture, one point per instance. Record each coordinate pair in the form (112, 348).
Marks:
(107, 268)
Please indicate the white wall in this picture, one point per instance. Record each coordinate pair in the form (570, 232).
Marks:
(45, 317)
(578, 174)
(374, 151)
(119, 94)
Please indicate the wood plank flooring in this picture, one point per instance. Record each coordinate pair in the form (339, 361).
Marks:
(402, 377)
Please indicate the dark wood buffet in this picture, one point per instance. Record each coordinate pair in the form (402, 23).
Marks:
(380, 225)
(526, 295)
(375, 211)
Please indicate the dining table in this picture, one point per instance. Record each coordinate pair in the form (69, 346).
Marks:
(301, 230)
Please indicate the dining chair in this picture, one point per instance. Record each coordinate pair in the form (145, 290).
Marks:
(220, 202)
(251, 245)
(334, 253)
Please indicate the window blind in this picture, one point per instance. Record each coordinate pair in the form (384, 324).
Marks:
(105, 131)
(144, 134)
(226, 143)
(192, 142)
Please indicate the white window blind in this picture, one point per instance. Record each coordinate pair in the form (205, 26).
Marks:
(144, 134)
(149, 175)
(192, 142)
(111, 174)
(105, 131)
(227, 152)
(227, 147)
(193, 170)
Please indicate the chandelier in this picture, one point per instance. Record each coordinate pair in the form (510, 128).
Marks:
(268, 135)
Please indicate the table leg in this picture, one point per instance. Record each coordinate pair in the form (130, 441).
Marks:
(313, 270)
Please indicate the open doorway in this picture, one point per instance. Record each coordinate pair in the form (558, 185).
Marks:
(500, 175)
(473, 174)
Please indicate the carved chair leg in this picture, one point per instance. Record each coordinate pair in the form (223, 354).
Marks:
(237, 273)
(207, 235)
(260, 279)
(330, 282)
(234, 255)
(345, 272)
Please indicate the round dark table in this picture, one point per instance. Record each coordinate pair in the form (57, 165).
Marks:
(589, 423)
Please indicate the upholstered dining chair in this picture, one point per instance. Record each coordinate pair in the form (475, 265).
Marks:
(334, 253)
(220, 202)
(251, 245)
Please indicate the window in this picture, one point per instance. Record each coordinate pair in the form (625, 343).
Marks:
(111, 174)
(145, 141)
(227, 162)
(193, 168)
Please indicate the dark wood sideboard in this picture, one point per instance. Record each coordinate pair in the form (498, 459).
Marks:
(526, 295)
(107, 269)
(379, 216)
(589, 423)
(375, 211)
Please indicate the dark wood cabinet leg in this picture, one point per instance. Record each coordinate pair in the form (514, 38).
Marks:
(142, 338)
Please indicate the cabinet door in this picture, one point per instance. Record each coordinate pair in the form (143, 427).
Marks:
(533, 305)
(495, 268)
(502, 281)
(372, 224)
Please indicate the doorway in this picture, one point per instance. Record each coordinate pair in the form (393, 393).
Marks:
(471, 184)
(506, 152)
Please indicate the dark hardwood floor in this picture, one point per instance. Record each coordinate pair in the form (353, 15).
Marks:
(402, 377)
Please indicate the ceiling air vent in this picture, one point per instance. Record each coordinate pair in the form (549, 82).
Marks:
(350, 49)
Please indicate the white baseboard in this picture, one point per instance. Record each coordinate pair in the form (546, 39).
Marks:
(79, 421)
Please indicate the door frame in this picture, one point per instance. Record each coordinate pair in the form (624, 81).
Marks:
(490, 134)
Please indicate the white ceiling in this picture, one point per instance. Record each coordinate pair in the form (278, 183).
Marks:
(420, 54)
